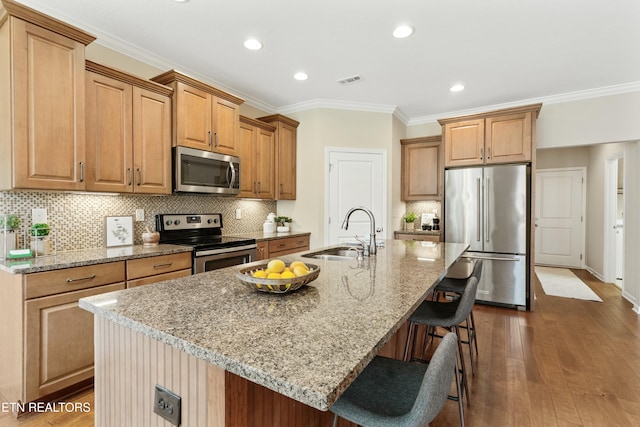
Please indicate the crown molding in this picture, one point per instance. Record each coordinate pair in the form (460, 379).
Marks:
(337, 105)
(546, 100)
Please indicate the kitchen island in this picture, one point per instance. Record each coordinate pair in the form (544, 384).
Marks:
(238, 357)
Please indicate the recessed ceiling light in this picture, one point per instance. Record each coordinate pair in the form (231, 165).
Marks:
(180, 1)
(300, 76)
(252, 44)
(402, 32)
(457, 88)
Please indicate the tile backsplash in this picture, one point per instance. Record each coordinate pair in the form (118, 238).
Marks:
(424, 207)
(79, 218)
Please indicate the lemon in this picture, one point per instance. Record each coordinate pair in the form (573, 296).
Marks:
(268, 271)
(287, 275)
(260, 274)
(258, 285)
(273, 276)
(295, 264)
(300, 271)
(276, 265)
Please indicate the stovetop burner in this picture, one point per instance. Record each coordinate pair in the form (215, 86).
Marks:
(201, 231)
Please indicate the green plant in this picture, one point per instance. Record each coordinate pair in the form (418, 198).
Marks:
(409, 217)
(282, 220)
(40, 230)
(12, 222)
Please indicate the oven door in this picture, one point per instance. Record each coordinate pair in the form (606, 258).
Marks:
(198, 171)
(221, 258)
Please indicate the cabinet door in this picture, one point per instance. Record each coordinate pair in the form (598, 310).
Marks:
(421, 171)
(464, 143)
(59, 341)
(246, 147)
(264, 161)
(226, 121)
(262, 250)
(151, 142)
(286, 153)
(109, 143)
(508, 138)
(48, 111)
(193, 117)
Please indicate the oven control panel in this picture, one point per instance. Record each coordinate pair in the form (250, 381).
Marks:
(189, 222)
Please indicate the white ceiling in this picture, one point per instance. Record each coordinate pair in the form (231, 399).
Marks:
(504, 51)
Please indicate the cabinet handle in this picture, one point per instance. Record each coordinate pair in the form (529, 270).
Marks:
(209, 138)
(139, 176)
(130, 173)
(215, 134)
(481, 152)
(255, 187)
(259, 186)
(488, 153)
(81, 171)
(168, 264)
(70, 280)
(281, 189)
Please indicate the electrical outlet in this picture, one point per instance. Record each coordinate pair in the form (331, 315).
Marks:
(167, 405)
(238, 213)
(139, 214)
(38, 216)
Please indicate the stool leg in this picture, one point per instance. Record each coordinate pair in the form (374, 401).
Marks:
(459, 399)
(470, 343)
(473, 327)
(335, 420)
(465, 384)
(410, 334)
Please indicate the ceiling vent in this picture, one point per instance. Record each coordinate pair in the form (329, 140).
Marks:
(350, 80)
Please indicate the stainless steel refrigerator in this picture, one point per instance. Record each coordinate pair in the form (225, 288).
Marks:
(489, 208)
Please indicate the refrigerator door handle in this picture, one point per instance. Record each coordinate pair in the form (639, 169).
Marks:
(487, 193)
(491, 258)
(478, 216)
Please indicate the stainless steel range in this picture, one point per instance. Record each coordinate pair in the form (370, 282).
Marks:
(203, 232)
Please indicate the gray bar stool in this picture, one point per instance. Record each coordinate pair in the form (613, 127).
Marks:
(447, 315)
(455, 282)
(395, 393)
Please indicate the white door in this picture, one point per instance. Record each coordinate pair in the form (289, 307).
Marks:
(356, 178)
(559, 217)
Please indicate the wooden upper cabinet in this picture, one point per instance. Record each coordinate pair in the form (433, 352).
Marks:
(286, 152)
(503, 136)
(43, 86)
(464, 144)
(128, 133)
(205, 117)
(257, 154)
(508, 138)
(422, 168)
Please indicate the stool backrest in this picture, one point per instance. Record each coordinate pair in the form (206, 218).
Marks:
(468, 298)
(436, 383)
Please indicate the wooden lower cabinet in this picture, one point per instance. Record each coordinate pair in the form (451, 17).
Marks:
(59, 341)
(262, 250)
(289, 245)
(399, 235)
(144, 271)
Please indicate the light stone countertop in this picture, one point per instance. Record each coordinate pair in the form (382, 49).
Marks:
(261, 236)
(84, 257)
(308, 345)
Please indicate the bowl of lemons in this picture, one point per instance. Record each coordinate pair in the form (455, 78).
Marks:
(277, 277)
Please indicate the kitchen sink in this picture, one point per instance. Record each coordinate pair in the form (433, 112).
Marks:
(340, 253)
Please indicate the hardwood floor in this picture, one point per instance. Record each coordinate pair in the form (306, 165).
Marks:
(569, 363)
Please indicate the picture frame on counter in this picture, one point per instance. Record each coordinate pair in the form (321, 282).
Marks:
(118, 231)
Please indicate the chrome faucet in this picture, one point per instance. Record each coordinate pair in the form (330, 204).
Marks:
(372, 236)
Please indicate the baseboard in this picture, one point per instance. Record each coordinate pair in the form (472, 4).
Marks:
(595, 273)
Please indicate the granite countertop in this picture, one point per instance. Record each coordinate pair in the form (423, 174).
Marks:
(261, 236)
(308, 345)
(84, 257)
(416, 231)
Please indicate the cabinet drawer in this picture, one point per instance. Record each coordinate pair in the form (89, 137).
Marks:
(158, 278)
(143, 267)
(72, 279)
(288, 245)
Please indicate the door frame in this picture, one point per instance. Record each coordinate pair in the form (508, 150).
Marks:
(583, 170)
(610, 213)
(381, 222)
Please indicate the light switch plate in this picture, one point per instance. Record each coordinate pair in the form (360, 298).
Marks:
(238, 213)
(38, 216)
(139, 214)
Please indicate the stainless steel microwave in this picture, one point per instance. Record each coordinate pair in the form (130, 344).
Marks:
(198, 171)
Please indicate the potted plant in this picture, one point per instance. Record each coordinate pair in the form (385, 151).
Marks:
(282, 222)
(409, 219)
(40, 243)
(8, 237)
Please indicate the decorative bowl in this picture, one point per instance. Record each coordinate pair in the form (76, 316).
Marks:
(276, 286)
